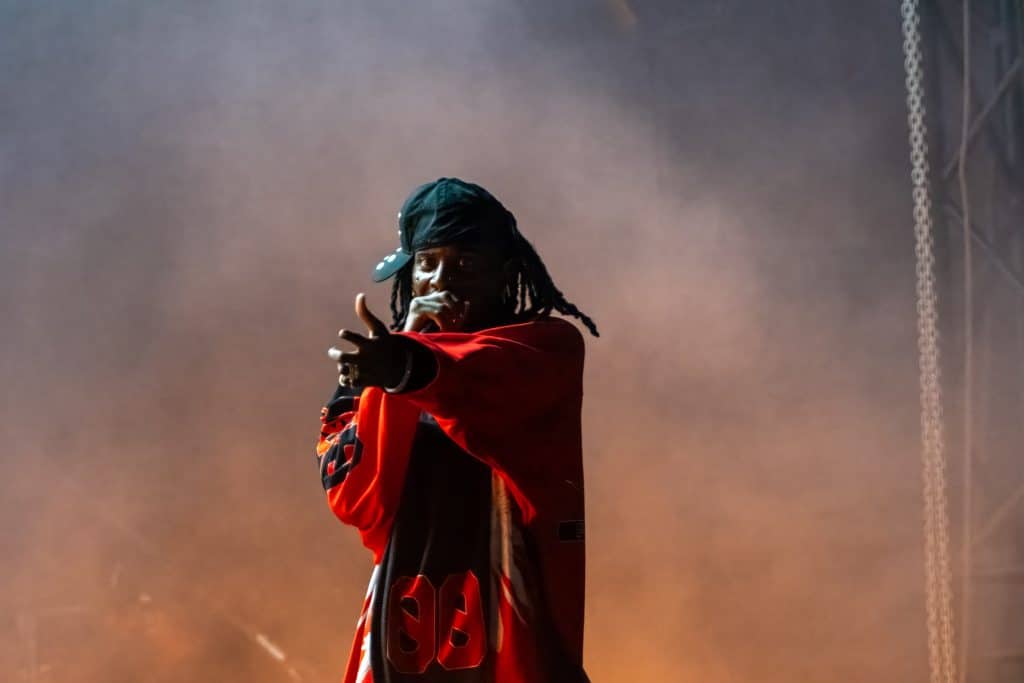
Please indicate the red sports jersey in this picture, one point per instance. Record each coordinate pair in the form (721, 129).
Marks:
(469, 494)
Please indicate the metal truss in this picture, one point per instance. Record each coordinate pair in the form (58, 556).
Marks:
(990, 485)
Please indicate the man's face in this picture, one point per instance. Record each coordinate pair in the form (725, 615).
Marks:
(472, 275)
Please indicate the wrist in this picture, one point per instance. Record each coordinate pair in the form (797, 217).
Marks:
(422, 364)
(403, 374)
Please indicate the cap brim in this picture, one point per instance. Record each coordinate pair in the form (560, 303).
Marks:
(389, 265)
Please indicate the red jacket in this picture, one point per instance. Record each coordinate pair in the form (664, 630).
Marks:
(510, 397)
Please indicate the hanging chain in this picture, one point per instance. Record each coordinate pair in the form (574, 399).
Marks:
(938, 576)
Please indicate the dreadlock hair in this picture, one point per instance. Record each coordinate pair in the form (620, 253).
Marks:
(529, 291)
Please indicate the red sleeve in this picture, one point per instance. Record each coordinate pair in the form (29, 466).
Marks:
(364, 450)
(499, 391)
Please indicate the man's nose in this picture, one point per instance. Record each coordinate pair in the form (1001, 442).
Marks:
(442, 277)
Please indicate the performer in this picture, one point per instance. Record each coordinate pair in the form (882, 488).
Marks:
(453, 445)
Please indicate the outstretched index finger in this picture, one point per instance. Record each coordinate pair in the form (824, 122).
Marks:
(353, 337)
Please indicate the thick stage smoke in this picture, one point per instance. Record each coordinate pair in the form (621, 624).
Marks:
(192, 194)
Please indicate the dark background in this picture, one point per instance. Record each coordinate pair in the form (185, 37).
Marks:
(191, 193)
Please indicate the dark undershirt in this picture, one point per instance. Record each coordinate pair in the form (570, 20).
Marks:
(441, 530)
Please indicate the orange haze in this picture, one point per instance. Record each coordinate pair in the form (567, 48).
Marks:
(193, 193)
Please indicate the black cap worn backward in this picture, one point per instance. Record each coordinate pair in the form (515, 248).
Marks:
(445, 211)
